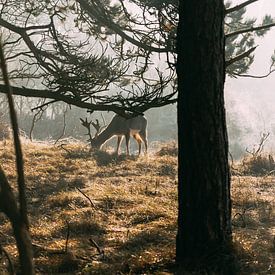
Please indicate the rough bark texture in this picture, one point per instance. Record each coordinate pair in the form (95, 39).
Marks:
(204, 222)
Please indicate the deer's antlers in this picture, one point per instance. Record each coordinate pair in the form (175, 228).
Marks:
(87, 125)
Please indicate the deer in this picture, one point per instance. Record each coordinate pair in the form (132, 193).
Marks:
(120, 127)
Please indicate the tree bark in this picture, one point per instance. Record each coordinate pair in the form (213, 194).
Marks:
(204, 218)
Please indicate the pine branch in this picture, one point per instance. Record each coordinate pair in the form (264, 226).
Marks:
(239, 57)
(240, 6)
(112, 105)
(89, 8)
(255, 76)
(263, 27)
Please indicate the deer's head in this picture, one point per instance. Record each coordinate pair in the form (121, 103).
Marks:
(93, 140)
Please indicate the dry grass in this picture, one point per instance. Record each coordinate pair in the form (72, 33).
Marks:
(254, 223)
(170, 148)
(132, 217)
(128, 224)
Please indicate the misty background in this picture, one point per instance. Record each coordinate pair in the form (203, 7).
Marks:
(250, 104)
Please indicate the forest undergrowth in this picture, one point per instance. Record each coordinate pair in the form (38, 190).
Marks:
(96, 213)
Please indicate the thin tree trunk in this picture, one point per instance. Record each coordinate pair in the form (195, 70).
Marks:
(17, 144)
(204, 218)
(17, 215)
(23, 241)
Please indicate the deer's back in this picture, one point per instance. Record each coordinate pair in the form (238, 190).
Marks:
(123, 125)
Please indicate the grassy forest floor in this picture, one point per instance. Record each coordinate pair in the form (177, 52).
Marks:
(101, 214)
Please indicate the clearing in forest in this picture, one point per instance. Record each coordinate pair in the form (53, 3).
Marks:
(95, 213)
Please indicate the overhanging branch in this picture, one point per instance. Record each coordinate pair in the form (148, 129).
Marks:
(116, 107)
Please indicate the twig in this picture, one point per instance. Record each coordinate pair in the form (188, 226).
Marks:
(67, 236)
(91, 202)
(269, 173)
(46, 104)
(232, 159)
(65, 149)
(99, 250)
(263, 139)
(255, 76)
(64, 125)
(36, 117)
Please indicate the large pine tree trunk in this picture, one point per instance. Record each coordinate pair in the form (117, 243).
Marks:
(204, 182)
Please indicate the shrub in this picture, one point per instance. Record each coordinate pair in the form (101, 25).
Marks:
(258, 165)
(170, 149)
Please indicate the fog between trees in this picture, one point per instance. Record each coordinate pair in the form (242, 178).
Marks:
(250, 102)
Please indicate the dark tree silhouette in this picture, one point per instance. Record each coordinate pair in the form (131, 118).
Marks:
(204, 221)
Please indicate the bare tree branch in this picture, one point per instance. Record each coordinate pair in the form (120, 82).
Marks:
(271, 70)
(255, 152)
(87, 197)
(240, 6)
(64, 125)
(37, 116)
(117, 105)
(255, 76)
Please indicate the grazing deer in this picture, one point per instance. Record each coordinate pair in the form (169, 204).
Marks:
(120, 126)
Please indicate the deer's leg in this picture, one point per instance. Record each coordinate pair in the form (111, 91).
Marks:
(139, 141)
(119, 139)
(143, 135)
(127, 139)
